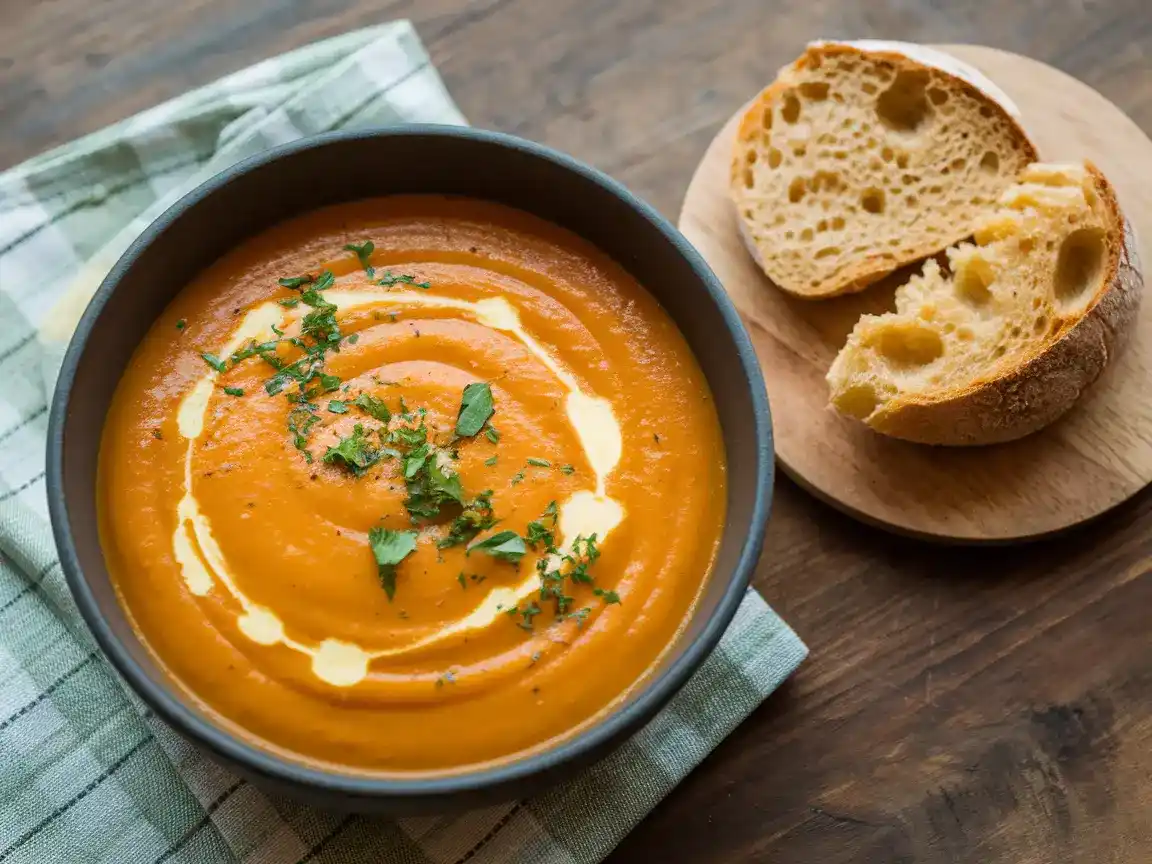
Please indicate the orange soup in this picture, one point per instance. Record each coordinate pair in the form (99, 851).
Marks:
(411, 485)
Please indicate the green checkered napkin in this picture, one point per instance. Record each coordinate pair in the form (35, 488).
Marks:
(87, 773)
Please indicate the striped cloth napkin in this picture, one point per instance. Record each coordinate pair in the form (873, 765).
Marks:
(87, 772)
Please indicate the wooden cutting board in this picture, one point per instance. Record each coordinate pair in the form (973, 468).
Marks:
(1095, 457)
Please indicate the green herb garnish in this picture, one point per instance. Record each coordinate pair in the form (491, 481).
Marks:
(390, 279)
(462, 579)
(234, 391)
(363, 252)
(567, 469)
(476, 516)
(475, 409)
(301, 419)
(490, 461)
(337, 406)
(518, 477)
(580, 616)
(214, 361)
(491, 434)
(505, 545)
(607, 596)
(296, 282)
(390, 548)
(539, 463)
(538, 533)
(354, 452)
(181, 324)
(373, 407)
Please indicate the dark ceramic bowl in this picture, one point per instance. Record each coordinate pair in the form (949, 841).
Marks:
(331, 169)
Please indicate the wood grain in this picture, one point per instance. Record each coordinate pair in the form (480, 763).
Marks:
(970, 707)
(1096, 456)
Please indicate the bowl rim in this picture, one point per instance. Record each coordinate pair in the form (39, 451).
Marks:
(599, 732)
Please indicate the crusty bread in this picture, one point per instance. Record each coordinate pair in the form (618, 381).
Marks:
(863, 157)
(1003, 344)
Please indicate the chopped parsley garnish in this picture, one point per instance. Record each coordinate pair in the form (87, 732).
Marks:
(301, 419)
(254, 348)
(354, 452)
(491, 434)
(607, 596)
(415, 460)
(567, 469)
(505, 545)
(363, 252)
(373, 407)
(390, 548)
(527, 613)
(181, 324)
(234, 391)
(476, 516)
(475, 409)
(390, 279)
(297, 282)
(539, 463)
(539, 533)
(518, 477)
(580, 616)
(490, 461)
(289, 302)
(214, 361)
(337, 406)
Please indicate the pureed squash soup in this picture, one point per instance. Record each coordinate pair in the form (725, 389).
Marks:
(411, 484)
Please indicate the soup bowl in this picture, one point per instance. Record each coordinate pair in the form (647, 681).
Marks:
(343, 167)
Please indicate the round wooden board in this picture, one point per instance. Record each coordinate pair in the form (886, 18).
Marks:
(1095, 457)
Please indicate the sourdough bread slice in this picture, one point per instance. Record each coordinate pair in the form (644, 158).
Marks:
(863, 157)
(1003, 344)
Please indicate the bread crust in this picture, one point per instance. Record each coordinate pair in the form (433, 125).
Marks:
(1044, 386)
(867, 269)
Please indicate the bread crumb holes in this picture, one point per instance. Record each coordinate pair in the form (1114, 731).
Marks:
(873, 200)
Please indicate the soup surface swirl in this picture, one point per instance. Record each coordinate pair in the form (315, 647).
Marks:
(411, 484)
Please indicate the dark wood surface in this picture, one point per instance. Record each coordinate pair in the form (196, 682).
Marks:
(989, 705)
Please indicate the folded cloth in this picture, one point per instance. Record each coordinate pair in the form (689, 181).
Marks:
(87, 772)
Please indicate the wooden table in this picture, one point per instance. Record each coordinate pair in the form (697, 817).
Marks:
(959, 705)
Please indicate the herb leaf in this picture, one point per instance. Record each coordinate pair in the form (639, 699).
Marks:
(234, 391)
(539, 463)
(491, 434)
(214, 361)
(475, 409)
(390, 279)
(354, 452)
(301, 419)
(390, 548)
(505, 545)
(337, 406)
(607, 596)
(539, 533)
(295, 282)
(373, 407)
(475, 517)
(181, 324)
(363, 252)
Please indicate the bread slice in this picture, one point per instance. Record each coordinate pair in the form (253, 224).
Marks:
(1003, 344)
(863, 157)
